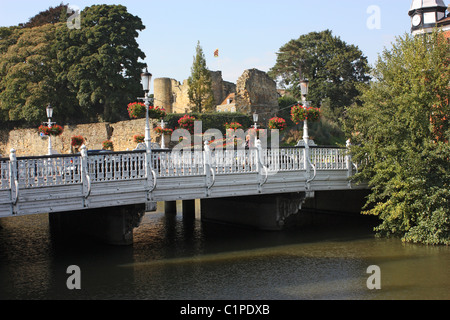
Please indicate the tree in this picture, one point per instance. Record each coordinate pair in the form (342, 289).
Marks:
(86, 74)
(100, 61)
(27, 69)
(333, 68)
(200, 84)
(400, 133)
(50, 16)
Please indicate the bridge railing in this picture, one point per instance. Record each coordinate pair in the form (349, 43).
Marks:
(45, 171)
(117, 166)
(329, 158)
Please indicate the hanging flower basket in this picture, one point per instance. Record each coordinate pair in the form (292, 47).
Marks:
(156, 112)
(77, 141)
(233, 126)
(277, 124)
(162, 131)
(136, 110)
(300, 113)
(55, 130)
(108, 145)
(139, 138)
(187, 122)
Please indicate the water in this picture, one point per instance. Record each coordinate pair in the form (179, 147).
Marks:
(176, 259)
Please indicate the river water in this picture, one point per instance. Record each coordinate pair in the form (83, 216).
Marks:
(179, 259)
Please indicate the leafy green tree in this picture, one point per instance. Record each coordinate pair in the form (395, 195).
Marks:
(100, 61)
(400, 133)
(333, 68)
(200, 84)
(27, 69)
(86, 74)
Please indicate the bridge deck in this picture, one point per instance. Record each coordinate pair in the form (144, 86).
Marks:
(34, 185)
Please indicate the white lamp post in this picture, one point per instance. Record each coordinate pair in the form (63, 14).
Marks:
(304, 85)
(49, 124)
(146, 82)
(255, 120)
(163, 142)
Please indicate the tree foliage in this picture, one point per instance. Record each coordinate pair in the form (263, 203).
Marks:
(27, 70)
(50, 16)
(200, 84)
(333, 68)
(100, 60)
(85, 74)
(401, 132)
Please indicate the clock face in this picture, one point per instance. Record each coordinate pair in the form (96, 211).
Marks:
(416, 20)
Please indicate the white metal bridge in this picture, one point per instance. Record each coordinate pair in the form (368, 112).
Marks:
(35, 185)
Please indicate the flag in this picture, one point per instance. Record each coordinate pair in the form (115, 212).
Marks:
(216, 53)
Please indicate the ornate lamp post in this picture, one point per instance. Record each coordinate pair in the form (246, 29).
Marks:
(50, 125)
(146, 82)
(255, 120)
(304, 85)
(163, 142)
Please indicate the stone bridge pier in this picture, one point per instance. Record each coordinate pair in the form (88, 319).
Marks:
(268, 212)
(278, 211)
(113, 225)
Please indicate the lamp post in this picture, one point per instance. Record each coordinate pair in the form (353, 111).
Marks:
(163, 142)
(255, 120)
(146, 81)
(50, 125)
(304, 85)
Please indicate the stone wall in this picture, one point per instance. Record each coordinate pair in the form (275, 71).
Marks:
(257, 92)
(27, 142)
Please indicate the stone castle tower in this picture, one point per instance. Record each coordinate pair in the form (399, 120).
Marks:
(173, 95)
(254, 91)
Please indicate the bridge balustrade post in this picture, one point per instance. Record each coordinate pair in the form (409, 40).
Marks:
(207, 167)
(85, 178)
(349, 162)
(306, 163)
(13, 179)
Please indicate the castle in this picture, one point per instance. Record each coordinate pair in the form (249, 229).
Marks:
(254, 92)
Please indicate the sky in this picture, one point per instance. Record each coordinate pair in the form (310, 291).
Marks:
(248, 33)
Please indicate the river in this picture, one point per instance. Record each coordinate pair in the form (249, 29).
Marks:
(177, 259)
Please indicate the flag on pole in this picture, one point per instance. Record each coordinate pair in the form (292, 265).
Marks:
(216, 53)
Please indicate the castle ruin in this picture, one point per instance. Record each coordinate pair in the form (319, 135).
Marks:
(254, 92)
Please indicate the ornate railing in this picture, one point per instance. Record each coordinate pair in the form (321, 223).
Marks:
(46, 171)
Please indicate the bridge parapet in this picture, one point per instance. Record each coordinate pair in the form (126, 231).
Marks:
(30, 185)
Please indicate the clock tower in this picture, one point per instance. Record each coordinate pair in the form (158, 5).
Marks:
(426, 15)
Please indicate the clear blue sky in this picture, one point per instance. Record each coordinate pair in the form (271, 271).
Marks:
(248, 33)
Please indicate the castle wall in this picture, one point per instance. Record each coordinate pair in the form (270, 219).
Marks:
(27, 142)
(163, 93)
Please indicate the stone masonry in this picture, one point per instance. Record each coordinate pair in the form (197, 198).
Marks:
(255, 91)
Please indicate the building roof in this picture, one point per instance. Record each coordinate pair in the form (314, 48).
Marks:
(231, 97)
(421, 4)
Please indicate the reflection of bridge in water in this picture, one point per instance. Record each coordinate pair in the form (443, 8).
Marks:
(75, 183)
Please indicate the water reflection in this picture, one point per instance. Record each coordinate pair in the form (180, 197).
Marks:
(176, 258)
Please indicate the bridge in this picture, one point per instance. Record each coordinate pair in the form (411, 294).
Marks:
(86, 182)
